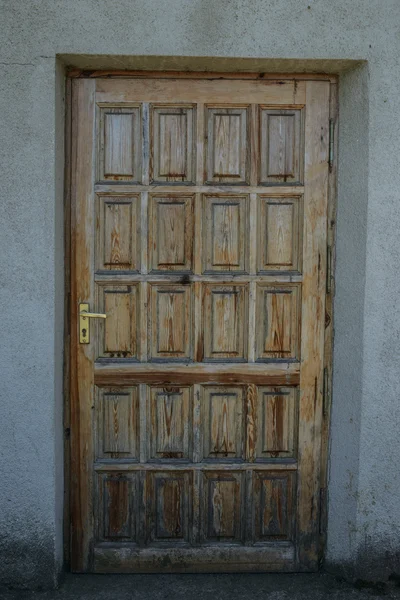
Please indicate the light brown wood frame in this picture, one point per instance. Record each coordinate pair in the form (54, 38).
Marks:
(331, 238)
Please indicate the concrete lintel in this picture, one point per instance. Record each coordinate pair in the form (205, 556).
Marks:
(208, 64)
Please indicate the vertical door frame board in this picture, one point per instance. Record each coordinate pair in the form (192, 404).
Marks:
(329, 319)
(331, 241)
(67, 323)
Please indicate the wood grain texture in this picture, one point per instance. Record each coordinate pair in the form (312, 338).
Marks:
(273, 506)
(228, 147)
(179, 374)
(313, 320)
(208, 558)
(222, 514)
(290, 93)
(277, 422)
(119, 143)
(117, 430)
(172, 144)
(224, 322)
(171, 232)
(118, 233)
(222, 423)
(117, 335)
(170, 322)
(278, 322)
(168, 512)
(82, 289)
(171, 424)
(226, 235)
(197, 431)
(116, 512)
(329, 323)
(168, 74)
(281, 158)
(280, 229)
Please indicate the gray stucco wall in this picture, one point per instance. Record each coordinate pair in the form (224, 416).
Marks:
(37, 37)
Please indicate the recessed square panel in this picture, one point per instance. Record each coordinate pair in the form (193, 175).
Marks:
(117, 507)
(170, 322)
(172, 144)
(118, 423)
(171, 232)
(278, 322)
(227, 147)
(119, 146)
(225, 234)
(118, 233)
(118, 333)
(222, 423)
(276, 419)
(281, 146)
(169, 509)
(273, 506)
(222, 507)
(171, 423)
(279, 234)
(225, 322)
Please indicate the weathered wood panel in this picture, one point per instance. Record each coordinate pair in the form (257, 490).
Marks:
(171, 232)
(227, 149)
(82, 290)
(276, 420)
(176, 374)
(281, 146)
(277, 316)
(118, 233)
(279, 234)
(117, 507)
(222, 510)
(199, 444)
(170, 424)
(313, 319)
(119, 143)
(222, 423)
(170, 322)
(273, 507)
(224, 323)
(226, 236)
(172, 144)
(168, 513)
(117, 411)
(117, 335)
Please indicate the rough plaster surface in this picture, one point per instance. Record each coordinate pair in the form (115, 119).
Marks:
(287, 35)
(211, 587)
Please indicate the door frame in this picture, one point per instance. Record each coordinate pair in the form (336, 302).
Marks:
(330, 284)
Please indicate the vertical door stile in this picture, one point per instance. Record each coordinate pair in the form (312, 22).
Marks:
(252, 241)
(313, 319)
(82, 290)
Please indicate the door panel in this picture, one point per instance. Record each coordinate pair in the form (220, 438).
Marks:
(199, 229)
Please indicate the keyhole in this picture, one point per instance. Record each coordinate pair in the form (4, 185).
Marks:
(84, 332)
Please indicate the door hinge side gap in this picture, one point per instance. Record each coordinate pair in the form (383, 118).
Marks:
(331, 144)
(329, 269)
(325, 393)
(322, 511)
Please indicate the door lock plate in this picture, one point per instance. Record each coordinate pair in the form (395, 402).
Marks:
(84, 324)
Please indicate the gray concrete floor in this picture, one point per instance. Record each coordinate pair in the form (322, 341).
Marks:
(208, 587)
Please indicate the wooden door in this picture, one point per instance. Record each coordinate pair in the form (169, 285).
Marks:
(199, 227)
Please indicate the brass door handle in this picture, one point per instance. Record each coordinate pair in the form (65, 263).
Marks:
(84, 323)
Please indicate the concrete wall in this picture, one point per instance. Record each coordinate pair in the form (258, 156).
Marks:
(361, 41)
